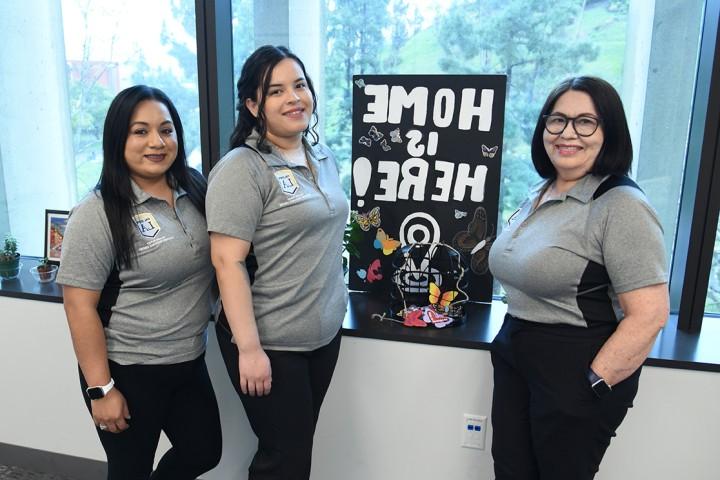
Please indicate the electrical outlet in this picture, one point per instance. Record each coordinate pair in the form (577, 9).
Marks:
(473, 434)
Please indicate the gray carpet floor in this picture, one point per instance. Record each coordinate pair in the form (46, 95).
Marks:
(15, 473)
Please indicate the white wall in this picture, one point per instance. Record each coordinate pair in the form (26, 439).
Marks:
(394, 410)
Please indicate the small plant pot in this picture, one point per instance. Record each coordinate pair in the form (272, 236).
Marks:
(9, 272)
(44, 275)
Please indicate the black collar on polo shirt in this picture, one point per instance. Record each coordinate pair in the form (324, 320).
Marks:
(583, 190)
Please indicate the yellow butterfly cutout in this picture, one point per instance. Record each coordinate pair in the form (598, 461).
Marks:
(439, 298)
(371, 218)
(385, 242)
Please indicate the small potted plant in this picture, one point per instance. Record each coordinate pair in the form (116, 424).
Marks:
(9, 259)
(45, 271)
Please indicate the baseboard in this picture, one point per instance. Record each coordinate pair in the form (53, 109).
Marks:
(77, 468)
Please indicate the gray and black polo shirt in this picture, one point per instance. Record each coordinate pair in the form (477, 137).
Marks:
(157, 311)
(294, 217)
(567, 261)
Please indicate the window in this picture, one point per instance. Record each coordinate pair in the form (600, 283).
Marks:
(536, 44)
(659, 55)
(69, 61)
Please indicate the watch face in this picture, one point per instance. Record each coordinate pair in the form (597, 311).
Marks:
(600, 388)
(95, 393)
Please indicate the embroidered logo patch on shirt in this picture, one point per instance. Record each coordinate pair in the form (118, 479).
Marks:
(146, 224)
(288, 183)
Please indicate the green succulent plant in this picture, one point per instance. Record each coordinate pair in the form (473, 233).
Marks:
(44, 265)
(9, 252)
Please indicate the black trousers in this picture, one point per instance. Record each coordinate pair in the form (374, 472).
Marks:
(177, 399)
(547, 422)
(284, 421)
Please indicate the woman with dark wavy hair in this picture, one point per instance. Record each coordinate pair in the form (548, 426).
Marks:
(278, 191)
(136, 278)
(584, 269)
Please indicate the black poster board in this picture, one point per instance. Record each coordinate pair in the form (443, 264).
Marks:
(426, 153)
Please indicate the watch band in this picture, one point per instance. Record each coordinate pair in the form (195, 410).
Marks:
(96, 393)
(598, 384)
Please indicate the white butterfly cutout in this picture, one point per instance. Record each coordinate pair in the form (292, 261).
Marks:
(488, 151)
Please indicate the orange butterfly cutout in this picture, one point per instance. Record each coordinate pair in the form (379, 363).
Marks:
(385, 242)
(441, 301)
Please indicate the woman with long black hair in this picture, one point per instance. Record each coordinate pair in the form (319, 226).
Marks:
(136, 278)
(279, 191)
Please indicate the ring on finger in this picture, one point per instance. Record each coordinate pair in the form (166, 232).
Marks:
(102, 426)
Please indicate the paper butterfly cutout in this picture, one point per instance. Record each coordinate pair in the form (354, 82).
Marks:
(460, 214)
(385, 242)
(385, 145)
(360, 83)
(441, 300)
(366, 220)
(489, 152)
(395, 136)
(374, 134)
(372, 274)
(475, 241)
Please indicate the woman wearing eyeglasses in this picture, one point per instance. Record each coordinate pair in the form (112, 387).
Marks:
(584, 270)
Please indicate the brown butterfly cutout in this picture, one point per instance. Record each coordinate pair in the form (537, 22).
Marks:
(475, 241)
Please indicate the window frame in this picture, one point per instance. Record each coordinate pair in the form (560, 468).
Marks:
(700, 199)
(699, 205)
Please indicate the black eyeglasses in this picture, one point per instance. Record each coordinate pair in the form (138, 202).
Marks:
(584, 125)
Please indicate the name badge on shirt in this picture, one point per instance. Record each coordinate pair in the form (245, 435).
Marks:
(146, 224)
(288, 183)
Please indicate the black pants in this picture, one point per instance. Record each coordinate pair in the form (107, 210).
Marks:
(284, 421)
(547, 422)
(177, 399)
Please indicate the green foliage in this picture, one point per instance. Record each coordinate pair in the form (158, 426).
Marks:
(9, 252)
(352, 236)
(178, 81)
(536, 44)
(351, 239)
(90, 98)
(354, 48)
(89, 101)
(44, 265)
(712, 302)
(536, 47)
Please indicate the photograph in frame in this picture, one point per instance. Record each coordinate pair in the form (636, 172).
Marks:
(55, 222)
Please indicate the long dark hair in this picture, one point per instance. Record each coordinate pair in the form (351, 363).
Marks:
(616, 154)
(114, 184)
(256, 74)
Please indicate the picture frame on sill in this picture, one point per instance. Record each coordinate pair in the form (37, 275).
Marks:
(55, 223)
